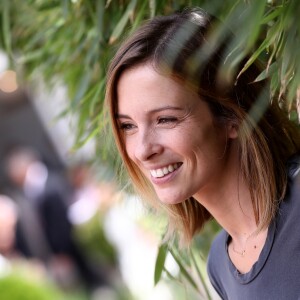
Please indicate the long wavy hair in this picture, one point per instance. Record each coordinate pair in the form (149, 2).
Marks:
(176, 46)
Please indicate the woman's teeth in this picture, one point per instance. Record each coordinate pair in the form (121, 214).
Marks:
(164, 171)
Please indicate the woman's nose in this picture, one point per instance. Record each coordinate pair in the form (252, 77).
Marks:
(147, 146)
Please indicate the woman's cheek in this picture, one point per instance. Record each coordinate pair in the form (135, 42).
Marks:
(129, 147)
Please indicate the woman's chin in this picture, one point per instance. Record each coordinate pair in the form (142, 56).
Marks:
(167, 200)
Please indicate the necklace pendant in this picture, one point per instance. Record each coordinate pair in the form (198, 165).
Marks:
(243, 253)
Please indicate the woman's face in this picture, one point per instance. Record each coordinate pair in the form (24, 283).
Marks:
(170, 134)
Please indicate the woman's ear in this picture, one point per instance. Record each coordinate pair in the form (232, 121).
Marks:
(232, 130)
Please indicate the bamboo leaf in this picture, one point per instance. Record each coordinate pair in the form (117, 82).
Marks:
(107, 3)
(254, 56)
(49, 5)
(122, 23)
(82, 88)
(30, 56)
(254, 20)
(274, 83)
(183, 271)
(160, 262)
(152, 7)
(200, 275)
(272, 15)
(65, 8)
(170, 275)
(95, 99)
(267, 72)
(89, 137)
(294, 86)
(99, 19)
(139, 16)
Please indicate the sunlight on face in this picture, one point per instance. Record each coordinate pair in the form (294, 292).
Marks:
(170, 134)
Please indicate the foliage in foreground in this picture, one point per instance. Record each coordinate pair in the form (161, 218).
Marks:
(191, 263)
(73, 41)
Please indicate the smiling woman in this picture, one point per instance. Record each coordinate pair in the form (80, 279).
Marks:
(158, 135)
(195, 145)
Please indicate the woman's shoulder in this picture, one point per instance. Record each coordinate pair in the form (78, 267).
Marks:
(293, 172)
(216, 261)
(218, 247)
(288, 207)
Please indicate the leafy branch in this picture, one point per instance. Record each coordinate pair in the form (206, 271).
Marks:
(73, 42)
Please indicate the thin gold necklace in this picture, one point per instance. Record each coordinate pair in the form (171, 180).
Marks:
(243, 252)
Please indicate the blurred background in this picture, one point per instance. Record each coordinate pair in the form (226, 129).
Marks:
(69, 227)
(67, 231)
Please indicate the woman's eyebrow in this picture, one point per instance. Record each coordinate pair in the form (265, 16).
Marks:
(120, 116)
(165, 108)
(156, 110)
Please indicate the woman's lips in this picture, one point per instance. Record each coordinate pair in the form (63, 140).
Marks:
(165, 174)
(161, 172)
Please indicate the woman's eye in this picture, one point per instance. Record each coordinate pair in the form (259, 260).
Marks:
(126, 126)
(167, 120)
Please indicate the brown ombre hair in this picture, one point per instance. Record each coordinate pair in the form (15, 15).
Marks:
(175, 46)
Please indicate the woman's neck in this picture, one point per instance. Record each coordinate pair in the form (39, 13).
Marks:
(229, 200)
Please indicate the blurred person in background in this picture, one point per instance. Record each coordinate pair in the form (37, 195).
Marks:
(8, 221)
(43, 229)
(86, 194)
(12, 263)
(9, 256)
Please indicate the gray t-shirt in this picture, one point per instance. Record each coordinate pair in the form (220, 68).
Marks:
(276, 274)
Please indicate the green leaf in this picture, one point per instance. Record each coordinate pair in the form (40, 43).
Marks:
(107, 3)
(200, 275)
(254, 22)
(160, 262)
(94, 101)
(184, 271)
(139, 16)
(272, 15)
(254, 56)
(49, 5)
(65, 7)
(82, 88)
(267, 72)
(83, 141)
(99, 19)
(122, 23)
(152, 7)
